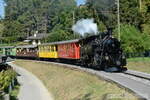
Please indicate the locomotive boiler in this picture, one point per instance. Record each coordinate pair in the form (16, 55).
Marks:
(102, 52)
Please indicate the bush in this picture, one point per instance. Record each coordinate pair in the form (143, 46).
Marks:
(6, 78)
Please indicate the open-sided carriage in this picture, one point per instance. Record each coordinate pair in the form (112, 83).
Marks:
(27, 51)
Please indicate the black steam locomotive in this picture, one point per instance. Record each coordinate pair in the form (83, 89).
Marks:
(102, 52)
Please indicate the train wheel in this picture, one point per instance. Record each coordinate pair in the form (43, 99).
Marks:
(96, 61)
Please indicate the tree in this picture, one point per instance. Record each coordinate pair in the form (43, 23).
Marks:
(132, 40)
(24, 17)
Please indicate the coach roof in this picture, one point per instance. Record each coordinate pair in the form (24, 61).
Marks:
(7, 47)
(61, 42)
(27, 46)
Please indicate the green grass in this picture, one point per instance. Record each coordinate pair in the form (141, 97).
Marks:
(139, 59)
(72, 84)
(14, 92)
(139, 64)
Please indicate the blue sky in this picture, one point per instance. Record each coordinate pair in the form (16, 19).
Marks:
(2, 6)
(81, 2)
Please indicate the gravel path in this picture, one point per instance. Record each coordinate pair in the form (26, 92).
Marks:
(31, 87)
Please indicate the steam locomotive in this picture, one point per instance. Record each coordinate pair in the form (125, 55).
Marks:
(101, 51)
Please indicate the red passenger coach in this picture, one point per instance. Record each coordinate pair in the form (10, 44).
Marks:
(69, 49)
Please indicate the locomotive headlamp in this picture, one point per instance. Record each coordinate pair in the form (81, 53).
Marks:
(113, 45)
(106, 57)
(118, 63)
(123, 57)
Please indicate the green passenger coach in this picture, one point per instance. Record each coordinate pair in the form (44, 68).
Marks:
(8, 51)
(2, 51)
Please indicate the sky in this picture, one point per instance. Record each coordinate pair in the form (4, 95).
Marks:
(1, 8)
(79, 2)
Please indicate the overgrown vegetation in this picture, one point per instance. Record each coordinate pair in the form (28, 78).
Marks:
(67, 84)
(56, 17)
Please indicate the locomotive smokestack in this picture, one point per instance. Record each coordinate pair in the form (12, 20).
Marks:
(109, 31)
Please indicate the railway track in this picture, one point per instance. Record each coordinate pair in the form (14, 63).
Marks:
(138, 74)
(134, 81)
(141, 79)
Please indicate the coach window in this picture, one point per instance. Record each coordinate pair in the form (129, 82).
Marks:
(44, 48)
(27, 49)
(20, 49)
(52, 48)
(33, 49)
(39, 49)
(49, 48)
(56, 47)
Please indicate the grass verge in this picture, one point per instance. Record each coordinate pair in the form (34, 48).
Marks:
(139, 64)
(66, 84)
(14, 93)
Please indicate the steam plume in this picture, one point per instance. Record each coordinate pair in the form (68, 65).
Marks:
(84, 26)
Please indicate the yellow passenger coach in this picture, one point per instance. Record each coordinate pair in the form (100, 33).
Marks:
(48, 51)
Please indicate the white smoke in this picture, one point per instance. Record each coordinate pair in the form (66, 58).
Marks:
(84, 26)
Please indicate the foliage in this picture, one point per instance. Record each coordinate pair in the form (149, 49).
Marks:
(6, 78)
(132, 40)
(24, 17)
(105, 11)
(1, 28)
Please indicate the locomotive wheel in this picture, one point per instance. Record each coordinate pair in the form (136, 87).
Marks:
(96, 61)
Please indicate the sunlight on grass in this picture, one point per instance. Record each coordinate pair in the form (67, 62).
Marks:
(139, 64)
(67, 84)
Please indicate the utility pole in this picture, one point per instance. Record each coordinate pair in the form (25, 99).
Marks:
(140, 4)
(73, 17)
(73, 14)
(118, 15)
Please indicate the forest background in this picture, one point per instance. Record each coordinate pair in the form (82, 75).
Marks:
(56, 18)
